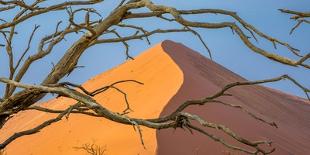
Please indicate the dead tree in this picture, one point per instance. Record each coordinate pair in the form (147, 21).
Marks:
(90, 32)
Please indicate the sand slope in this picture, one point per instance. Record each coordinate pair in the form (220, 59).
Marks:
(172, 74)
(203, 77)
(161, 77)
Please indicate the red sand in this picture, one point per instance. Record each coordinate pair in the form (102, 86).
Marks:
(171, 73)
(203, 77)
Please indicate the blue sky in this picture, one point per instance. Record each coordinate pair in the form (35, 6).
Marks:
(227, 49)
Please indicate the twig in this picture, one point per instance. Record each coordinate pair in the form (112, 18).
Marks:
(34, 130)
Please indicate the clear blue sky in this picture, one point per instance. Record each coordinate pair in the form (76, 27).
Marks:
(227, 49)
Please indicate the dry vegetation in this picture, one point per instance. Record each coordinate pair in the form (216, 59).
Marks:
(90, 32)
(92, 149)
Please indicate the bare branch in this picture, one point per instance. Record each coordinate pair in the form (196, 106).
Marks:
(203, 42)
(7, 8)
(124, 43)
(232, 85)
(76, 110)
(92, 149)
(248, 112)
(228, 132)
(298, 16)
(34, 130)
(100, 90)
(222, 92)
(28, 46)
(52, 40)
(296, 13)
(220, 140)
(135, 36)
(56, 7)
(141, 29)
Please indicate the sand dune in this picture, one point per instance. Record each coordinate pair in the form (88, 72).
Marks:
(161, 77)
(171, 73)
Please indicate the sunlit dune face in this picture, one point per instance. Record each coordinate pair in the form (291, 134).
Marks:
(161, 77)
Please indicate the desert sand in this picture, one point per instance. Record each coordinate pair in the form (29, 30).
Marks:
(161, 77)
(172, 74)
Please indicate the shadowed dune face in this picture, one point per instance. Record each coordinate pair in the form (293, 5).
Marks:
(161, 77)
(172, 74)
(202, 77)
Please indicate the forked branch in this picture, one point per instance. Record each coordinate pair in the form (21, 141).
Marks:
(300, 17)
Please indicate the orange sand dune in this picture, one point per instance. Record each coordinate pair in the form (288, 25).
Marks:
(171, 73)
(161, 77)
